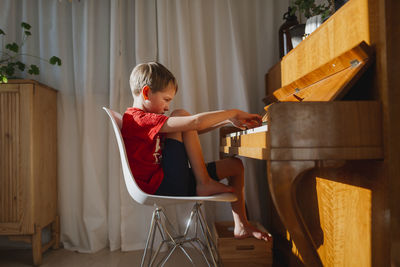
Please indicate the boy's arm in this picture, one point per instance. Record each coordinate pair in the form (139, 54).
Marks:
(223, 123)
(209, 120)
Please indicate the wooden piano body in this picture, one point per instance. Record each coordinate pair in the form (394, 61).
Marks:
(305, 143)
(328, 167)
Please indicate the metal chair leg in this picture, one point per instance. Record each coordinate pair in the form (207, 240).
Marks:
(187, 254)
(201, 251)
(168, 256)
(208, 238)
(149, 236)
(170, 237)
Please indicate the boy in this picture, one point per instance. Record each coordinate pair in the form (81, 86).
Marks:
(159, 147)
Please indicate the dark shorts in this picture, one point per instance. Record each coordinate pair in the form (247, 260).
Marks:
(179, 179)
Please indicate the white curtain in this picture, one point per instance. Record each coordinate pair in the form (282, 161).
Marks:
(218, 50)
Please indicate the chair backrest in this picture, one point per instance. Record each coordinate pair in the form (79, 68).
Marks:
(134, 190)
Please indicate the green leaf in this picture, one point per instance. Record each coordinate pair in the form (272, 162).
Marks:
(21, 66)
(28, 33)
(25, 25)
(4, 79)
(34, 70)
(293, 10)
(13, 47)
(309, 8)
(1, 32)
(10, 69)
(55, 60)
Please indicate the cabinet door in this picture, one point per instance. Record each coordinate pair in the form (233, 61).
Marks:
(15, 159)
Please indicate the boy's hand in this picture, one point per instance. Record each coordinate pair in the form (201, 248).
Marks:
(244, 120)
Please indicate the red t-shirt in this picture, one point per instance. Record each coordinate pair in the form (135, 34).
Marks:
(143, 147)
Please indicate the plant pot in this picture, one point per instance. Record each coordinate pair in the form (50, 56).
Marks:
(312, 24)
(339, 3)
(296, 34)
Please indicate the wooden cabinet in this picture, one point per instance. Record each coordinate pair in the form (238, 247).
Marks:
(28, 163)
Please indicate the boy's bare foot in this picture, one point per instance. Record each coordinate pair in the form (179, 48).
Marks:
(212, 187)
(248, 230)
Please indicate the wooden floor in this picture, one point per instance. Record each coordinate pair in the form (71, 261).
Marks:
(103, 258)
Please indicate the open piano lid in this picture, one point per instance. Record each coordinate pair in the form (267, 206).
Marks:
(328, 82)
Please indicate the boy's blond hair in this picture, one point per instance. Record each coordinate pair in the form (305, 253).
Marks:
(152, 74)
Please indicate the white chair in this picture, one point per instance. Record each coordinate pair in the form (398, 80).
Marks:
(160, 220)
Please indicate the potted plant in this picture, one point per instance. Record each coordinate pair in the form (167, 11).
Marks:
(10, 57)
(313, 12)
(309, 8)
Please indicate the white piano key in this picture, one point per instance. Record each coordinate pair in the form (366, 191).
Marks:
(262, 128)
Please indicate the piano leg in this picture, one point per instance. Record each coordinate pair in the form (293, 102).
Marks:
(283, 176)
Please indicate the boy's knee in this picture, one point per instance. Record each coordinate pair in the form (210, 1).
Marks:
(179, 112)
(238, 164)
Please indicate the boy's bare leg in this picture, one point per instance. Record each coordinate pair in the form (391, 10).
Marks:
(233, 169)
(205, 186)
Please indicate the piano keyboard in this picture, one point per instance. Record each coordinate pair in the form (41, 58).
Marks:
(262, 128)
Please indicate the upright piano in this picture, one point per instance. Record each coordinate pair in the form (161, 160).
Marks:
(323, 145)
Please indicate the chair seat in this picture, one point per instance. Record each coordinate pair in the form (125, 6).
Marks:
(169, 200)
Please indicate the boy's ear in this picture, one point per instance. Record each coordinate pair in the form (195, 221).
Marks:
(145, 92)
